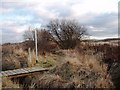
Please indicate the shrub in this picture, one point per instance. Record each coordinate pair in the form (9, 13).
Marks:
(66, 33)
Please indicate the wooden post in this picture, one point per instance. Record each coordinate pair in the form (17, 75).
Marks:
(36, 46)
(30, 57)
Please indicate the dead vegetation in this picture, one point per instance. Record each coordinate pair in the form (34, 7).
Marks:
(51, 81)
(7, 83)
(86, 66)
(84, 73)
(13, 58)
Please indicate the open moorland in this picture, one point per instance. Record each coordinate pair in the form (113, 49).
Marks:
(91, 64)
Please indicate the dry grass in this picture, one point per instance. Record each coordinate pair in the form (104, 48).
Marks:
(7, 83)
(104, 83)
(20, 52)
(31, 62)
(51, 81)
(83, 68)
(89, 61)
(13, 58)
(92, 63)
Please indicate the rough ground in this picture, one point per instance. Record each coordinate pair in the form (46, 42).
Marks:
(75, 73)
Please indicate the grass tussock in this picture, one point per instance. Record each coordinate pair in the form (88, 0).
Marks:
(13, 58)
(51, 81)
(7, 83)
(83, 77)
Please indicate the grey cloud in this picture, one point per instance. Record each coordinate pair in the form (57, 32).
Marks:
(103, 19)
(12, 38)
(9, 36)
(104, 22)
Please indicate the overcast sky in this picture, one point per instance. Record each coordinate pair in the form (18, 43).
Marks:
(99, 16)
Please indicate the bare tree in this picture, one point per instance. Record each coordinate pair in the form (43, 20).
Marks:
(43, 38)
(29, 34)
(67, 33)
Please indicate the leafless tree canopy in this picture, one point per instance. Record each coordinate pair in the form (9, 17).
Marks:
(43, 39)
(66, 33)
(29, 37)
(29, 34)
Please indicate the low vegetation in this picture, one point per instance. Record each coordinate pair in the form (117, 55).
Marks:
(7, 83)
(13, 58)
(83, 67)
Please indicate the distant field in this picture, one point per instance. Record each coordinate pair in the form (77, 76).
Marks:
(114, 41)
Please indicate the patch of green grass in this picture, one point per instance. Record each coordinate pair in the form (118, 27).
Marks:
(47, 62)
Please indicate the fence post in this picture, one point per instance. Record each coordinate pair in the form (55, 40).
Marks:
(36, 46)
(30, 57)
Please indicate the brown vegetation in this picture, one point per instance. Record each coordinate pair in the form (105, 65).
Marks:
(7, 83)
(51, 81)
(108, 54)
(66, 33)
(86, 66)
(13, 58)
